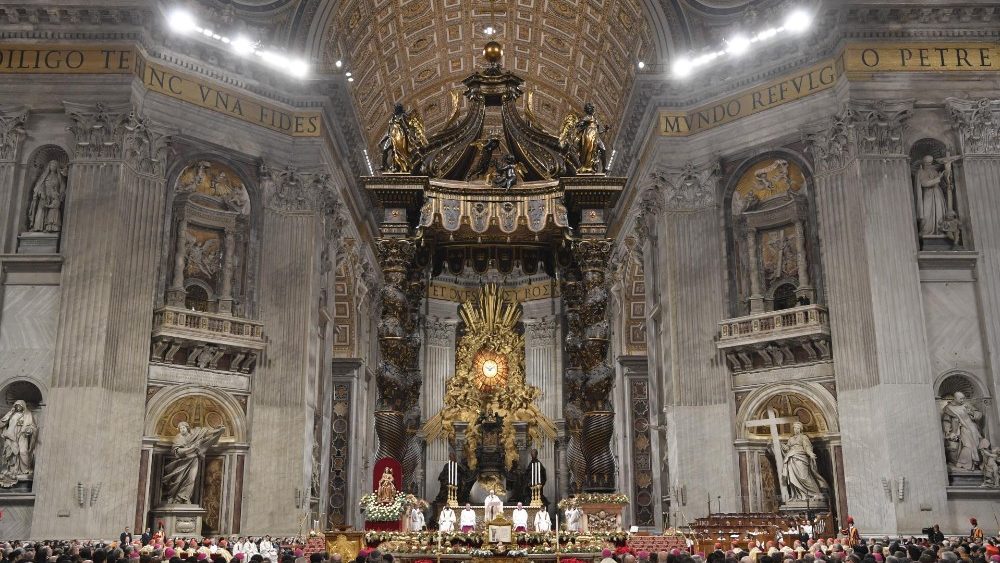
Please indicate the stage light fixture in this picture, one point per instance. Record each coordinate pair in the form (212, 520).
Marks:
(181, 21)
(682, 67)
(242, 46)
(798, 21)
(737, 45)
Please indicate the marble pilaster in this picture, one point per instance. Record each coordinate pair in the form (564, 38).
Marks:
(12, 134)
(281, 406)
(978, 124)
(864, 204)
(692, 384)
(112, 233)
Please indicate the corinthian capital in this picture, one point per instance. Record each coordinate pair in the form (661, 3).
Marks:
(11, 132)
(290, 190)
(97, 129)
(830, 142)
(688, 188)
(978, 124)
(145, 145)
(879, 125)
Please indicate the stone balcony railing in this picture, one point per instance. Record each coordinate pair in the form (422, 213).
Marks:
(206, 340)
(776, 338)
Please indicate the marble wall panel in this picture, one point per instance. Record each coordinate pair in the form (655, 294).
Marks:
(28, 327)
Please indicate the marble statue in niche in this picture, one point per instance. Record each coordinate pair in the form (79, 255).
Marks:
(18, 432)
(938, 223)
(180, 475)
(799, 473)
(991, 467)
(45, 209)
(962, 424)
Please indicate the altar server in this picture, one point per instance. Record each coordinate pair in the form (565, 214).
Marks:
(468, 519)
(520, 518)
(446, 520)
(543, 522)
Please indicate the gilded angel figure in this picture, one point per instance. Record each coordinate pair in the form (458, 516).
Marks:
(403, 142)
(580, 138)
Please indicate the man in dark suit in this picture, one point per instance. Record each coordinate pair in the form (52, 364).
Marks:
(125, 538)
(147, 537)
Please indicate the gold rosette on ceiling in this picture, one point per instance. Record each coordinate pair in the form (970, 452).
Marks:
(489, 378)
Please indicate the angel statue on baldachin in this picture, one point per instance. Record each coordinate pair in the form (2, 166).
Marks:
(581, 138)
(403, 143)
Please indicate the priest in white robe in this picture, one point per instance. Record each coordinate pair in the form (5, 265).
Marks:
(574, 519)
(543, 522)
(468, 519)
(417, 523)
(520, 518)
(446, 520)
(268, 550)
(492, 507)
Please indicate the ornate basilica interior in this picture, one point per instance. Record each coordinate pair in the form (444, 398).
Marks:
(699, 256)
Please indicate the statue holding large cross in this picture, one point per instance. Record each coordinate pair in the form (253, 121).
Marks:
(801, 483)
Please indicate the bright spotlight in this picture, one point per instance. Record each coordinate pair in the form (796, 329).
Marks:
(350, 80)
(642, 65)
(273, 59)
(339, 63)
(347, 74)
(181, 21)
(737, 45)
(242, 46)
(682, 67)
(298, 68)
(489, 30)
(798, 21)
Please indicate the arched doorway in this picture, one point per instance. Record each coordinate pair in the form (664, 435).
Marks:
(767, 420)
(218, 488)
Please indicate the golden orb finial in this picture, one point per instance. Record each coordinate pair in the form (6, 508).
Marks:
(493, 51)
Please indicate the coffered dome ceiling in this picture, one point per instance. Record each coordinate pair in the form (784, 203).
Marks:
(419, 51)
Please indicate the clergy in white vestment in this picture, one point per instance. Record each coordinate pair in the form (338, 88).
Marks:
(573, 519)
(417, 520)
(520, 518)
(468, 519)
(543, 522)
(492, 507)
(249, 549)
(446, 520)
(267, 549)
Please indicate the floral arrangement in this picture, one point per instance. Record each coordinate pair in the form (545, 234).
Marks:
(412, 501)
(376, 511)
(517, 552)
(430, 542)
(593, 498)
(481, 552)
